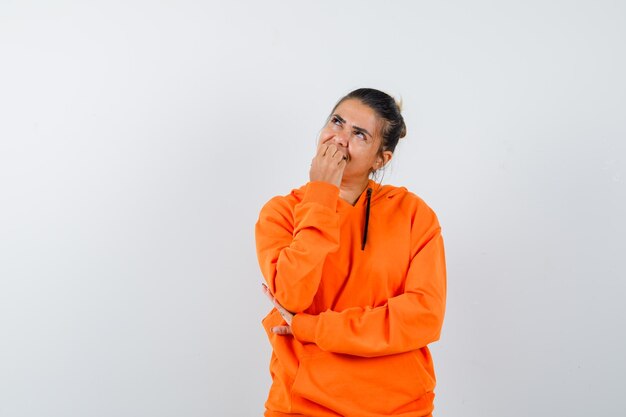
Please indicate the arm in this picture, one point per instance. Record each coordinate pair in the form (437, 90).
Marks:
(292, 248)
(406, 322)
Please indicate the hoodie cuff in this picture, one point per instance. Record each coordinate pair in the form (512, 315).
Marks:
(321, 192)
(303, 327)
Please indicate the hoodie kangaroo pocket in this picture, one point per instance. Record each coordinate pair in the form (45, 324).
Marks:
(359, 386)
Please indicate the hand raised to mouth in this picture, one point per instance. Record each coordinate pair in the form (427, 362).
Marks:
(328, 164)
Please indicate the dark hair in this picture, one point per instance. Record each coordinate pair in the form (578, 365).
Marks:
(386, 108)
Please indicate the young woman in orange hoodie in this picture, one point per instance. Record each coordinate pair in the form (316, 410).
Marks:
(357, 275)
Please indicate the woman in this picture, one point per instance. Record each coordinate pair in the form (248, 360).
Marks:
(357, 274)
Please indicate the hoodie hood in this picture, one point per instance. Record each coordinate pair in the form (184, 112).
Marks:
(379, 192)
(372, 194)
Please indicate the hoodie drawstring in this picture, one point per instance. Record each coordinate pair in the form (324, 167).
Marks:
(367, 217)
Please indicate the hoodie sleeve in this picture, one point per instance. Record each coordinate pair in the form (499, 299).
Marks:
(406, 322)
(292, 244)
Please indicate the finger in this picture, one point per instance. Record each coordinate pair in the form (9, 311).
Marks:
(274, 300)
(331, 150)
(321, 149)
(282, 330)
(266, 290)
(341, 161)
(269, 295)
(281, 309)
(336, 153)
(340, 156)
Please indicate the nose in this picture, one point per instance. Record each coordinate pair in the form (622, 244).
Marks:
(341, 138)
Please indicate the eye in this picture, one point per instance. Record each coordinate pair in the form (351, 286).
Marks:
(359, 134)
(335, 121)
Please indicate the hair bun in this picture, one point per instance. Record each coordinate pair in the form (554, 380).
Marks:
(402, 130)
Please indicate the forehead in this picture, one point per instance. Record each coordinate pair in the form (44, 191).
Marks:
(358, 114)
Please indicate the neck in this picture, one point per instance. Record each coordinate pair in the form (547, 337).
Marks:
(350, 190)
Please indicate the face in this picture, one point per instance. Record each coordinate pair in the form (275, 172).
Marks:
(355, 129)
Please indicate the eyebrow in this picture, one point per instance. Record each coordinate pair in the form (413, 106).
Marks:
(358, 129)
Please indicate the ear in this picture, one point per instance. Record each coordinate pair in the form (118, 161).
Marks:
(383, 159)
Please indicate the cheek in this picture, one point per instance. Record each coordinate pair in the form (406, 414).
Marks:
(326, 134)
(364, 151)
(360, 156)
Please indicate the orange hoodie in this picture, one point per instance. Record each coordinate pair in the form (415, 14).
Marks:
(364, 317)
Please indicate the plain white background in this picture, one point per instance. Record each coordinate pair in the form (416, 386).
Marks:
(139, 139)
